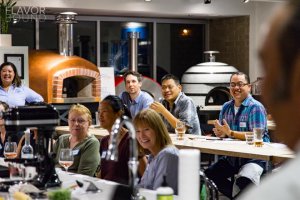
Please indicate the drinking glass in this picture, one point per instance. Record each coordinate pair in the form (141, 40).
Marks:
(66, 158)
(10, 150)
(180, 130)
(249, 138)
(258, 136)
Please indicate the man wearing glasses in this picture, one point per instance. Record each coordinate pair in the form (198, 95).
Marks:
(239, 115)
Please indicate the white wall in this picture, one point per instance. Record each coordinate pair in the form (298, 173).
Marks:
(13, 50)
(263, 11)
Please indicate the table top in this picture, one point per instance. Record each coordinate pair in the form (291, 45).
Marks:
(270, 124)
(106, 191)
(274, 152)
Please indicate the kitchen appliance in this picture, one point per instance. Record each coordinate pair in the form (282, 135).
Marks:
(45, 118)
(62, 78)
(208, 85)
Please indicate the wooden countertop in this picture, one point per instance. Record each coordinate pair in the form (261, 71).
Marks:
(270, 124)
(274, 152)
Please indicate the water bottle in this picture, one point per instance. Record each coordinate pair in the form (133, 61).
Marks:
(27, 150)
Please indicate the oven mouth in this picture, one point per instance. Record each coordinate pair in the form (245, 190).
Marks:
(217, 96)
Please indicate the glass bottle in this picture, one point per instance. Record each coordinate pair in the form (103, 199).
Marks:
(27, 150)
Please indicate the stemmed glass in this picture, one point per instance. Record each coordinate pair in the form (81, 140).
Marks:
(66, 158)
(10, 150)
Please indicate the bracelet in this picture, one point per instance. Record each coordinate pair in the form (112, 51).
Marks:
(232, 134)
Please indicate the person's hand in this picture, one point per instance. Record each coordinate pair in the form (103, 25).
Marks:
(218, 133)
(158, 107)
(221, 130)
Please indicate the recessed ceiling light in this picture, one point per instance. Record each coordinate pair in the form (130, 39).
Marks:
(246, 1)
(148, 0)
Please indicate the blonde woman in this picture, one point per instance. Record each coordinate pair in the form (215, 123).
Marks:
(152, 136)
(85, 147)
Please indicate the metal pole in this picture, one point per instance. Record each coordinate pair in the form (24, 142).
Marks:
(133, 50)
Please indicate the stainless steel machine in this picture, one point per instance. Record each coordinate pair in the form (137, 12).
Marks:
(45, 118)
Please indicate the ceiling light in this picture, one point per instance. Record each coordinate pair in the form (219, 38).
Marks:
(246, 1)
(148, 0)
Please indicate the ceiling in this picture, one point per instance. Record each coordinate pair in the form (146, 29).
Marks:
(187, 9)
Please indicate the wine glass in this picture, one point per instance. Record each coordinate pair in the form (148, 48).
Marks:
(66, 158)
(10, 150)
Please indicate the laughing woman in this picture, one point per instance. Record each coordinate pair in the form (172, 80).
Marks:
(12, 91)
(153, 137)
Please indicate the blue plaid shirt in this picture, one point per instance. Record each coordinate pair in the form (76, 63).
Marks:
(251, 114)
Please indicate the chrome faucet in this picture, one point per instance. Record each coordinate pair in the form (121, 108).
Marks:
(112, 153)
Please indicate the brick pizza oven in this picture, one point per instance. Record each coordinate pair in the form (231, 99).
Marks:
(63, 79)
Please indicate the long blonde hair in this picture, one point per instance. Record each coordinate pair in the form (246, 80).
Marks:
(153, 119)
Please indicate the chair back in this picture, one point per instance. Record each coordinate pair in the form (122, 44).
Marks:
(208, 189)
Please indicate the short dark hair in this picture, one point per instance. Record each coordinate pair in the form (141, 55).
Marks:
(240, 74)
(117, 105)
(170, 76)
(17, 80)
(133, 73)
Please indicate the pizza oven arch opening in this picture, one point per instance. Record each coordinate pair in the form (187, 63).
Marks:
(76, 85)
(217, 96)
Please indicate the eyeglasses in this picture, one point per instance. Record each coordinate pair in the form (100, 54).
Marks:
(79, 121)
(239, 84)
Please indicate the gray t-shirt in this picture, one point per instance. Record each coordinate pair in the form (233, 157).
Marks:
(164, 163)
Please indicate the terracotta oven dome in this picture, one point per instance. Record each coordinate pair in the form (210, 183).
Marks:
(63, 79)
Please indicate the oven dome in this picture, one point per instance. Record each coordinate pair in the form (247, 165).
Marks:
(199, 80)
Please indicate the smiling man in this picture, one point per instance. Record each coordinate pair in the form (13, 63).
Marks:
(239, 115)
(176, 106)
(134, 98)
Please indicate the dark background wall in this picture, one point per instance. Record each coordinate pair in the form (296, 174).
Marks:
(186, 51)
(230, 36)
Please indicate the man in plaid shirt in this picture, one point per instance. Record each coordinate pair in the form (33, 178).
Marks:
(239, 115)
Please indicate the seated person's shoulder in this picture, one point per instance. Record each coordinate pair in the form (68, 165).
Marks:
(169, 151)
